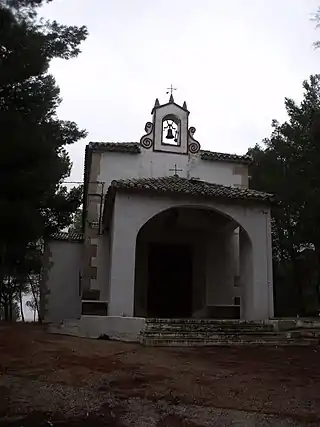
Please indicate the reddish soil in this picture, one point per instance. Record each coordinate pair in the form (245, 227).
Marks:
(45, 379)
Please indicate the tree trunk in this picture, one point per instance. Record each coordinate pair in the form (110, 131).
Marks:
(10, 308)
(10, 302)
(35, 298)
(2, 264)
(6, 309)
(318, 277)
(21, 304)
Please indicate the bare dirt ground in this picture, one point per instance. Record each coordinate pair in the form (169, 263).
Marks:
(49, 380)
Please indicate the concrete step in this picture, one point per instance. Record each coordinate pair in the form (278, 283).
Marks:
(197, 332)
(204, 320)
(206, 329)
(202, 342)
(177, 323)
(303, 333)
(213, 334)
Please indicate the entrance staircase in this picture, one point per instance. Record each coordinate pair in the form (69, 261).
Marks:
(212, 332)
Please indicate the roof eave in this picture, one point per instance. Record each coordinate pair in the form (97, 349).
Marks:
(117, 147)
(214, 157)
(120, 189)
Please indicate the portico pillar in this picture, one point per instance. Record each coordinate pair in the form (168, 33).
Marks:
(122, 265)
(256, 269)
(246, 276)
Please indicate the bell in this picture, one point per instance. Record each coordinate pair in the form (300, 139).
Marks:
(170, 134)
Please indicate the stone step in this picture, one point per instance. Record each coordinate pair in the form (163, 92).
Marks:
(204, 322)
(303, 333)
(214, 334)
(206, 329)
(197, 332)
(277, 341)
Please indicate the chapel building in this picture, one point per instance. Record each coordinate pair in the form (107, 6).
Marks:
(169, 231)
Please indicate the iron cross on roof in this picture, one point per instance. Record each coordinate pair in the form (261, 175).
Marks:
(171, 89)
(175, 170)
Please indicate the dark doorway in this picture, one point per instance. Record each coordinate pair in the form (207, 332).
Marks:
(170, 280)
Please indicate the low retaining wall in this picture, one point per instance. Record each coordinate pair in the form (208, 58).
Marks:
(113, 327)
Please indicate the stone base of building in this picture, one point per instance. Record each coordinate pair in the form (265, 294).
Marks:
(193, 332)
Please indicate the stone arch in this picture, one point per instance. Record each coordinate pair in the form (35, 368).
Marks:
(152, 231)
(231, 211)
(253, 218)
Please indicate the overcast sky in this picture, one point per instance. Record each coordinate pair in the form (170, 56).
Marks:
(233, 62)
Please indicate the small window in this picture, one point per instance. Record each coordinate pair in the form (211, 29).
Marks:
(236, 301)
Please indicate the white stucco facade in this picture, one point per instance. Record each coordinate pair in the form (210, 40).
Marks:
(131, 214)
(62, 293)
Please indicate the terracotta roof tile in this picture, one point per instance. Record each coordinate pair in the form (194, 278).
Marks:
(191, 187)
(67, 236)
(225, 157)
(119, 147)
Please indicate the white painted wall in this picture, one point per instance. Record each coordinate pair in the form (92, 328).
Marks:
(64, 300)
(148, 163)
(222, 266)
(131, 212)
(220, 271)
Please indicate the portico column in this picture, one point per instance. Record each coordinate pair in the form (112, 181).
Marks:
(256, 268)
(122, 265)
(246, 276)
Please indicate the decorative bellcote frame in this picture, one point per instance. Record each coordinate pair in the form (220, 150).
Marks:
(169, 130)
(147, 140)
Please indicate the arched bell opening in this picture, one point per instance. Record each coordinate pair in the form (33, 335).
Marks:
(192, 262)
(171, 133)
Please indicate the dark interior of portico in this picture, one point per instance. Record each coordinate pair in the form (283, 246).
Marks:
(184, 265)
(169, 290)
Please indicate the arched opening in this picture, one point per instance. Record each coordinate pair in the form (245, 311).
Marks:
(171, 130)
(188, 264)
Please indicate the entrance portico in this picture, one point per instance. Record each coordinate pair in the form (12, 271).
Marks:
(188, 256)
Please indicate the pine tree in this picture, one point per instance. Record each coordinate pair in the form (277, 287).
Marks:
(33, 158)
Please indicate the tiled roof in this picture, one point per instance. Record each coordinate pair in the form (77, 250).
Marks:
(119, 147)
(191, 187)
(225, 157)
(67, 236)
(134, 148)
